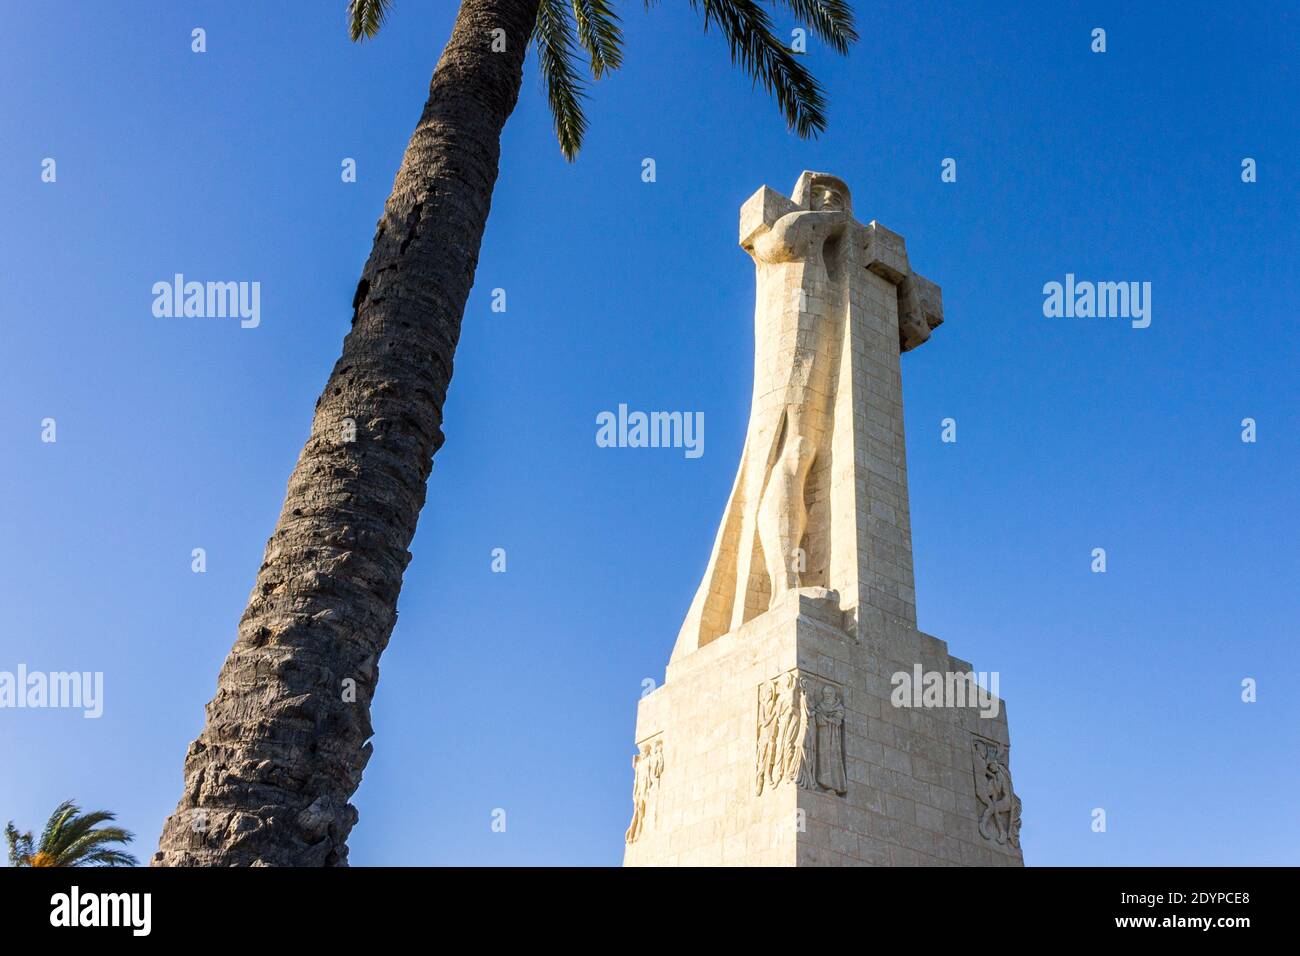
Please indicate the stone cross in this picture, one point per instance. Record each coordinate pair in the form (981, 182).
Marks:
(820, 498)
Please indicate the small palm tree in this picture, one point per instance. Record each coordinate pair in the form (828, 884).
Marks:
(282, 751)
(71, 838)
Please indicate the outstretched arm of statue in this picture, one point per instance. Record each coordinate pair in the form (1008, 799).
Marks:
(799, 235)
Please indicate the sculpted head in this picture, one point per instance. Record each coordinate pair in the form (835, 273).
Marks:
(827, 198)
(822, 192)
(828, 694)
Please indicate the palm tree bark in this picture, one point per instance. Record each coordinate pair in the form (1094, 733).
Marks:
(285, 741)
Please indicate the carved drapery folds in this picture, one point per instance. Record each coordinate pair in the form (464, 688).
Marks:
(647, 771)
(800, 734)
(999, 806)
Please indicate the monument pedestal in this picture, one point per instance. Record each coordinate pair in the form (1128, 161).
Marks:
(911, 776)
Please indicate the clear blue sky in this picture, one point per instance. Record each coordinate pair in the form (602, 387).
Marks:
(518, 690)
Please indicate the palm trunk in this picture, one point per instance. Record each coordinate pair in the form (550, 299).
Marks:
(268, 780)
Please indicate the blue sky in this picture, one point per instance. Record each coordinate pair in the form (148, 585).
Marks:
(518, 690)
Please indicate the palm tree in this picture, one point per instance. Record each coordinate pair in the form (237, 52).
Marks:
(71, 838)
(285, 742)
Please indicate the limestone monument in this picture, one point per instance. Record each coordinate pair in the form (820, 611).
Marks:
(789, 730)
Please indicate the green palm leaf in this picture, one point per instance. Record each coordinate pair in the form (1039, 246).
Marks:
(110, 858)
(365, 17)
(71, 838)
(21, 845)
(50, 835)
(748, 30)
(832, 20)
(553, 37)
(599, 34)
(93, 846)
(562, 25)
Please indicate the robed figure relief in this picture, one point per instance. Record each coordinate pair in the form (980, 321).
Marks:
(769, 712)
(797, 748)
(830, 741)
(800, 741)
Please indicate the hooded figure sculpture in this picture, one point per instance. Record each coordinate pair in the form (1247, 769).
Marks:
(776, 531)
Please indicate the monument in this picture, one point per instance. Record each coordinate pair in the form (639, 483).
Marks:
(786, 732)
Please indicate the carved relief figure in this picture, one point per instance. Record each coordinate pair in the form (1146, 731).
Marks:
(798, 743)
(804, 752)
(640, 771)
(656, 775)
(786, 715)
(647, 769)
(1000, 807)
(768, 741)
(795, 758)
(830, 741)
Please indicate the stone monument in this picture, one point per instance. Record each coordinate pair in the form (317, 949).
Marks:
(804, 720)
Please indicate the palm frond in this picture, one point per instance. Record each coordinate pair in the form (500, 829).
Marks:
(71, 838)
(50, 835)
(832, 20)
(92, 846)
(74, 828)
(365, 17)
(599, 34)
(748, 30)
(109, 858)
(21, 846)
(553, 37)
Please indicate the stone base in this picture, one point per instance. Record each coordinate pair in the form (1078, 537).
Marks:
(909, 773)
